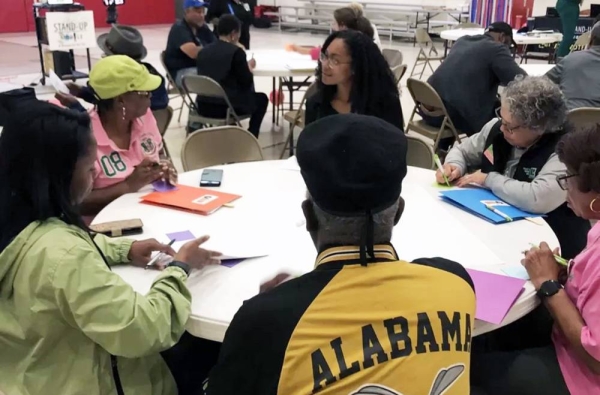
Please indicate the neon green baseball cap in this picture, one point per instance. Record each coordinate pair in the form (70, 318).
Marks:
(115, 75)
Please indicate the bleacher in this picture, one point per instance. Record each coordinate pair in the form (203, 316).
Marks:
(392, 19)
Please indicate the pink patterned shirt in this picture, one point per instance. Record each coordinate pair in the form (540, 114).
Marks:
(583, 288)
(114, 164)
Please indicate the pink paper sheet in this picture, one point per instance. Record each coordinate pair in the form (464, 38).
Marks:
(495, 294)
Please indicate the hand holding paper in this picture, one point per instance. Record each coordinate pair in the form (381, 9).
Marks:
(197, 257)
(169, 171)
(145, 173)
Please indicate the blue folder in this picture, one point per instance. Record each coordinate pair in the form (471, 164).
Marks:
(471, 201)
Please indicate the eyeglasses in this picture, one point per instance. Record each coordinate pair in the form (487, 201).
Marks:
(143, 93)
(511, 130)
(331, 62)
(563, 182)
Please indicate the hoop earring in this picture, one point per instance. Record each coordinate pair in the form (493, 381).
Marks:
(124, 113)
(592, 206)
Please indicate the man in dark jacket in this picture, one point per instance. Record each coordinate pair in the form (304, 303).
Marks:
(578, 76)
(186, 39)
(468, 80)
(225, 62)
(243, 10)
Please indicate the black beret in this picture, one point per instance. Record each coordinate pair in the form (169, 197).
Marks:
(352, 163)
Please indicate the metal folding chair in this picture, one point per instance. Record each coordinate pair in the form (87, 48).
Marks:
(217, 146)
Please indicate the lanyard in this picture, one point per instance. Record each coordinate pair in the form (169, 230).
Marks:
(230, 9)
(113, 359)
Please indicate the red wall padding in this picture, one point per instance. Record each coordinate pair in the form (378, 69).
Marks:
(17, 15)
(13, 16)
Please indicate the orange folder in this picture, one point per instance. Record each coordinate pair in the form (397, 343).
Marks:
(199, 200)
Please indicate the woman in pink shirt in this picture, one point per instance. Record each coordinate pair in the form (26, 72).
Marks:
(129, 142)
(570, 363)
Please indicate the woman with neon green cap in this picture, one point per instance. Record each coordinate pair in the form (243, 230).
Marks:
(68, 324)
(129, 142)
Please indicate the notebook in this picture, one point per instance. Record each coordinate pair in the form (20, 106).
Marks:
(199, 200)
(475, 200)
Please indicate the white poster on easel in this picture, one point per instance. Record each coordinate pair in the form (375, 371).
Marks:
(70, 30)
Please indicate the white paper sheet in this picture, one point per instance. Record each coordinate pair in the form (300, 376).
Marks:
(58, 85)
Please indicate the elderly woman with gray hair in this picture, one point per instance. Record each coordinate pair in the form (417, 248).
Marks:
(514, 157)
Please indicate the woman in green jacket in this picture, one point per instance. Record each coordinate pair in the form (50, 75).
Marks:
(68, 325)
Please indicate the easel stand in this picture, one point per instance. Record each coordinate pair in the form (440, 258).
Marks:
(41, 30)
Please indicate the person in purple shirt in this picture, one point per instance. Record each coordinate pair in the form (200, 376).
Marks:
(569, 361)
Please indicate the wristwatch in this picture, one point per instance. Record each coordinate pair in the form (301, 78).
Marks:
(182, 265)
(549, 288)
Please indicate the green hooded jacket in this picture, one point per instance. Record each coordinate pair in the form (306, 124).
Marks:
(63, 312)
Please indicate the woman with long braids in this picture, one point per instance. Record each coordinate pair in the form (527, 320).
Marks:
(354, 77)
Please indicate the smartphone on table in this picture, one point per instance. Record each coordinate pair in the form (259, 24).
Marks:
(211, 178)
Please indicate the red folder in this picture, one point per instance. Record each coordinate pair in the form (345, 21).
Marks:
(199, 200)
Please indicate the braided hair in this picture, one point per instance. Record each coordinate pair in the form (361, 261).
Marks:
(373, 85)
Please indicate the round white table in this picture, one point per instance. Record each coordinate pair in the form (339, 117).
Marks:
(520, 39)
(283, 66)
(268, 219)
(537, 69)
(282, 63)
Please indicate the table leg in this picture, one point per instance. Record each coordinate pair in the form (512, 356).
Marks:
(291, 93)
(273, 103)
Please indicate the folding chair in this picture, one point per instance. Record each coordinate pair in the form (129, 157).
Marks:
(207, 87)
(584, 117)
(582, 42)
(427, 53)
(394, 57)
(423, 94)
(296, 118)
(173, 89)
(163, 120)
(399, 72)
(217, 146)
(419, 153)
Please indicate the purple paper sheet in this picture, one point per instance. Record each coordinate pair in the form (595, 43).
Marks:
(163, 186)
(231, 262)
(181, 236)
(495, 294)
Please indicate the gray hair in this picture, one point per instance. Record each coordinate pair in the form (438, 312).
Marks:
(536, 103)
(344, 230)
(595, 34)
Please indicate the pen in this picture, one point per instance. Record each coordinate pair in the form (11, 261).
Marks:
(498, 212)
(158, 256)
(559, 259)
(438, 163)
